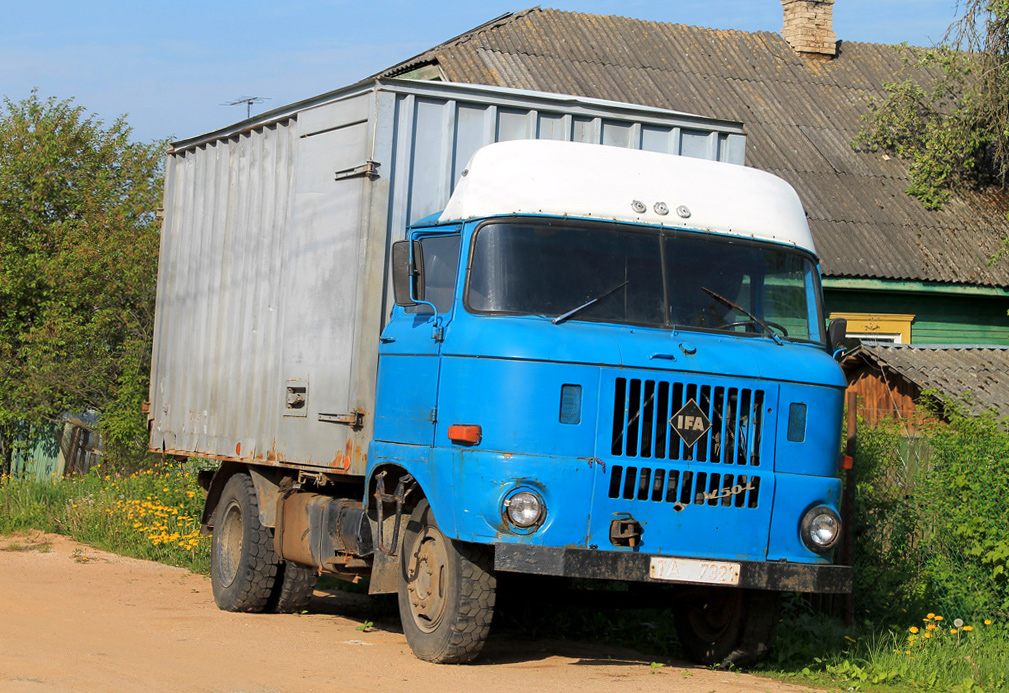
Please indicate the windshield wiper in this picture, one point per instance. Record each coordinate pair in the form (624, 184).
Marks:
(767, 328)
(571, 313)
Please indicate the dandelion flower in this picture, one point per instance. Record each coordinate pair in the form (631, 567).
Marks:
(987, 621)
(929, 634)
(930, 626)
(907, 651)
(967, 629)
(938, 618)
(913, 629)
(952, 630)
(931, 615)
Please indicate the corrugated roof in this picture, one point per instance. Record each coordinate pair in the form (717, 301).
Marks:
(973, 375)
(801, 117)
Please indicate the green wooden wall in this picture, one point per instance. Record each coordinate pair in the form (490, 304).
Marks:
(943, 314)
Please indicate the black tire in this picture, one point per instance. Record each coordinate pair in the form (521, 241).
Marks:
(243, 564)
(446, 592)
(726, 626)
(293, 590)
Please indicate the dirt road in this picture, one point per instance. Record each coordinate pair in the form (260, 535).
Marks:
(73, 618)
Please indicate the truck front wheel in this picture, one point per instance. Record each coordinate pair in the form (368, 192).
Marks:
(446, 592)
(726, 626)
(243, 564)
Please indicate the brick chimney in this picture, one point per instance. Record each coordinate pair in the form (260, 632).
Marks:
(809, 28)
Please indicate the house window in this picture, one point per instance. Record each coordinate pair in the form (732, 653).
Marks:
(887, 328)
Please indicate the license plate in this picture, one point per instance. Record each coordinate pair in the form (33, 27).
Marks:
(688, 570)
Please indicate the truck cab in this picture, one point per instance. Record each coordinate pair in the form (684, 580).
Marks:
(607, 363)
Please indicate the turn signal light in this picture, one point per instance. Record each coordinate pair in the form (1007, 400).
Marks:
(465, 434)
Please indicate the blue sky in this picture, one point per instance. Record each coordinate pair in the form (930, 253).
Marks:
(169, 66)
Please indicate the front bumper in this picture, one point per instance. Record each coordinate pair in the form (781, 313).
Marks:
(624, 565)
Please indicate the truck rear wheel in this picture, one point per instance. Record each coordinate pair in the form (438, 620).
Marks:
(293, 589)
(726, 626)
(243, 564)
(446, 592)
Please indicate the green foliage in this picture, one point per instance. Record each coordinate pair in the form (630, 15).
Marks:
(931, 517)
(957, 658)
(952, 121)
(78, 264)
(805, 637)
(965, 497)
(152, 514)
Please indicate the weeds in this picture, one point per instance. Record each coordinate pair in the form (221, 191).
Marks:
(152, 514)
(936, 655)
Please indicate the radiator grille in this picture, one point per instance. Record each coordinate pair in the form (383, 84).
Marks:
(683, 487)
(641, 428)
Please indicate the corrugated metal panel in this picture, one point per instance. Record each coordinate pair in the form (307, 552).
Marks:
(272, 284)
(217, 337)
(972, 375)
(801, 118)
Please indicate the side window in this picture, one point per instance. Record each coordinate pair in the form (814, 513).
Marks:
(441, 264)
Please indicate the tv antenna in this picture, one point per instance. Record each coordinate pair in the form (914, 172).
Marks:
(248, 101)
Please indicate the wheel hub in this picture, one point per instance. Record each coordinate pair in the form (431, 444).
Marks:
(426, 587)
(714, 617)
(231, 544)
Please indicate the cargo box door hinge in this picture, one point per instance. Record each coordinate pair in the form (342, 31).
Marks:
(368, 169)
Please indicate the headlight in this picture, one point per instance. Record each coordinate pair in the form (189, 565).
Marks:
(524, 509)
(820, 529)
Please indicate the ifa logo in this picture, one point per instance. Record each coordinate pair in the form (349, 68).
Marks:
(690, 423)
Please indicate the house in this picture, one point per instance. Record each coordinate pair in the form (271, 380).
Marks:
(56, 449)
(897, 272)
(890, 379)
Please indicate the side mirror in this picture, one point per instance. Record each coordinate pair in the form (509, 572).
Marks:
(836, 334)
(407, 277)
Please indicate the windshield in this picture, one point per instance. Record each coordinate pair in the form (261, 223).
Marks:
(614, 273)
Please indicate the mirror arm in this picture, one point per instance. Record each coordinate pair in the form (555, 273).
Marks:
(438, 333)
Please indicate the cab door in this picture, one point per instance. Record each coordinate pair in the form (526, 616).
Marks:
(410, 350)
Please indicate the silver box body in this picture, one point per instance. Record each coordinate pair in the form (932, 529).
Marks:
(273, 282)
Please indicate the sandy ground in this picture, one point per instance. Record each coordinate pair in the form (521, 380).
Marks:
(73, 618)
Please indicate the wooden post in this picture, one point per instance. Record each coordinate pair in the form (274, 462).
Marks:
(847, 501)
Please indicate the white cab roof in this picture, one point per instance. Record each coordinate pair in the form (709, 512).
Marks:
(602, 182)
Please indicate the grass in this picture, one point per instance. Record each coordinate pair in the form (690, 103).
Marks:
(929, 653)
(152, 514)
(155, 514)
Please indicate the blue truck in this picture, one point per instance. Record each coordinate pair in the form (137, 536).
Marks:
(433, 333)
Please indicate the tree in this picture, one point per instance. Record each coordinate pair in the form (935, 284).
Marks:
(954, 127)
(78, 265)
